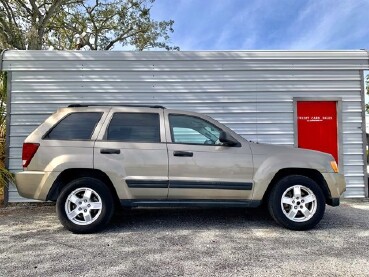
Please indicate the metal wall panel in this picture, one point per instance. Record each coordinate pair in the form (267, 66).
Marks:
(250, 91)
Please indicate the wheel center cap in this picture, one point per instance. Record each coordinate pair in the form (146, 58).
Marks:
(84, 205)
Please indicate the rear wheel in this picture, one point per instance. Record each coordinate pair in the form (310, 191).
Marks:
(297, 202)
(85, 205)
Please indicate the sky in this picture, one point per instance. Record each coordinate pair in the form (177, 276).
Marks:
(266, 24)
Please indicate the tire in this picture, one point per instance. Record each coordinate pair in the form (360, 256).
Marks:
(297, 203)
(85, 205)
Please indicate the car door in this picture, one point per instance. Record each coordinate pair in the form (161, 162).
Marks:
(200, 167)
(132, 151)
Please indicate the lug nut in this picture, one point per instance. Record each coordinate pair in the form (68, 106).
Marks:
(85, 211)
(293, 201)
(79, 209)
(301, 206)
(302, 201)
(80, 203)
(295, 207)
(85, 200)
(88, 205)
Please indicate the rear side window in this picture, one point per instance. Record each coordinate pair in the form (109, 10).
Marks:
(134, 127)
(75, 126)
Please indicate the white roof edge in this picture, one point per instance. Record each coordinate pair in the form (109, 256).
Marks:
(364, 52)
(207, 55)
(1, 58)
(367, 54)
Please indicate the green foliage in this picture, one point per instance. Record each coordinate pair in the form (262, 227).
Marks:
(5, 175)
(104, 23)
(23, 23)
(99, 24)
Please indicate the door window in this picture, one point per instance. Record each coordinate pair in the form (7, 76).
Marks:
(134, 127)
(193, 130)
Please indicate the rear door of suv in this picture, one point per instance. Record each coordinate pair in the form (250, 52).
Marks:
(131, 150)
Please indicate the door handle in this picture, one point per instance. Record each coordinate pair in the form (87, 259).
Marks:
(182, 154)
(110, 151)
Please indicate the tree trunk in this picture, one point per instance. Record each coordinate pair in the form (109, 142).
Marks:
(35, 39)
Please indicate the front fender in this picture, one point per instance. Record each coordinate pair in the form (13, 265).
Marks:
(268, 163)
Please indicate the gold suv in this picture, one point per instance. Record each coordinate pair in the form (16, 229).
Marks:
(89, 159)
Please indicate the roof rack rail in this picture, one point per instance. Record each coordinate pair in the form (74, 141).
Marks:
(115, 105)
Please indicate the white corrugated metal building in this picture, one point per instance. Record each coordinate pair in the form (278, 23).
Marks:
(255, 93)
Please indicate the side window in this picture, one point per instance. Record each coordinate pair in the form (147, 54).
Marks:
(75, 126)
(134, 127)
(193, 130)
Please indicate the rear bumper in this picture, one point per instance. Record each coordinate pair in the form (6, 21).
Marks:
(29, 184)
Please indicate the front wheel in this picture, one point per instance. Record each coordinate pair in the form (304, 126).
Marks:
(297, 202)
(85, 205)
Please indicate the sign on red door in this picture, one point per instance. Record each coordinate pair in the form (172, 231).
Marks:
(317, 126)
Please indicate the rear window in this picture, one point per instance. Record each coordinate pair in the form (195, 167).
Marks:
(75, 126)
(134, 127)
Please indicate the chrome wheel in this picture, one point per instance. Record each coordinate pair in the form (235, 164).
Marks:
(298, 203)
(83, 206)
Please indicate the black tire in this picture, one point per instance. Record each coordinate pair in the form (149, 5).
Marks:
(300, 215)
(100, 197)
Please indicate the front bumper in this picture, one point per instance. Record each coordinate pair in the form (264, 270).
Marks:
(336, 185)
(29, 184)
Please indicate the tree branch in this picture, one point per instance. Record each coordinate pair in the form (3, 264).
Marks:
(56, 4)
(35, 10)
(9, 11)
(121, 37)
(24, 6)
(94, 7)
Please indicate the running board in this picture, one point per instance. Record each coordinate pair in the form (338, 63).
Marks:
(189, 203)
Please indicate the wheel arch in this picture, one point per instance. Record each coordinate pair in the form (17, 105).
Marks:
(71, 174)
(313, 174)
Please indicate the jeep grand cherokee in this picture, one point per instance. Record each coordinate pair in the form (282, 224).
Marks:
(90, 158)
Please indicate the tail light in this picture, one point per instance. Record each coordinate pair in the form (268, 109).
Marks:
(29, 150)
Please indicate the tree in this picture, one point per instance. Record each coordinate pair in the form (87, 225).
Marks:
(95, 24)
(23, 23)
(102, 24)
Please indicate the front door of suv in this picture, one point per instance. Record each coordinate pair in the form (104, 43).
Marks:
(200, 167)
(131, 150)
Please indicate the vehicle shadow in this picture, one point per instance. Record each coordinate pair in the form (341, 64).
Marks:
(188, 218)
(144, 219)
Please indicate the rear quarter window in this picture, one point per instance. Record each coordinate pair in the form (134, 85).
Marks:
(75, 126)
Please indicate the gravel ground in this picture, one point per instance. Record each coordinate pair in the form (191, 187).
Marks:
(185, 242)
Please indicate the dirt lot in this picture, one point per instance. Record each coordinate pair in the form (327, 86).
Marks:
(185, 242)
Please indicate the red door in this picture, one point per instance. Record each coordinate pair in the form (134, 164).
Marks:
(317, 126)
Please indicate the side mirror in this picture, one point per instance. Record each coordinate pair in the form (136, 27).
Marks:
(227, 139)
